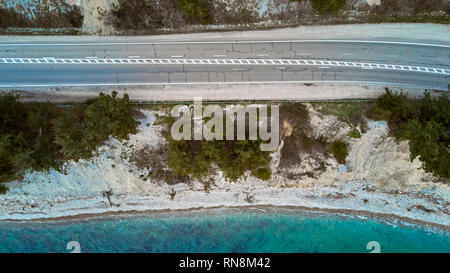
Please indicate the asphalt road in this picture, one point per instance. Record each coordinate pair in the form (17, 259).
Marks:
(122, 63)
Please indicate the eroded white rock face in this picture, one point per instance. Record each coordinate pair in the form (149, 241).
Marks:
(378, 158)
(375, 157)
(326, 125)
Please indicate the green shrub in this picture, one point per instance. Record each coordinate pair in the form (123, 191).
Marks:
(26, 138)
(240, 156)
(10, 18)
(196, 11)
(3, 189)
(326, 6)
(427, 141)
(136, 15)
(79, 131)
(68, 16)
(149, 16)
(355, 133)
(262, 173)
(195, 158)
(352, 113)
(109, 115)
(413, 7)
(395, 108)
(340, 151)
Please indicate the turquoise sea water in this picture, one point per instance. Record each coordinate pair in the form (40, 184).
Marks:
(221, 231)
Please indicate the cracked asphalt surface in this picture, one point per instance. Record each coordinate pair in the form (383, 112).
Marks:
(17, 75)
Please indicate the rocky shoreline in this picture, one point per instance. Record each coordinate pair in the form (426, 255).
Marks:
(352, 199)
(378, 179)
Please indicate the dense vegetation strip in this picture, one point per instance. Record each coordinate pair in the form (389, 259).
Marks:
(64, 16)
(150, 16)
(326, 6)
(41, 136)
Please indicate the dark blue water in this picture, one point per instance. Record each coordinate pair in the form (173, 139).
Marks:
(221, 231)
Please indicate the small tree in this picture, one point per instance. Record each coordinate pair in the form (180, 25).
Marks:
(79, 131)
(109, 115)
(3, 189)
(195, 10)
(69, 134)
(426, 142)
(340, 151)
(326, 6)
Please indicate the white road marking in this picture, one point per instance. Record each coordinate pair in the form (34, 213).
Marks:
(224, 42)
(289, 62)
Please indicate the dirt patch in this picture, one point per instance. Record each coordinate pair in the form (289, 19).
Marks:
(154, 161)
(95, 16)
(354, 113)
(287, 129)
(299, 146)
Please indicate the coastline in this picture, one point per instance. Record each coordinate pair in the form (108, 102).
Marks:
(295, 199)
(386, 218)
(380, 181)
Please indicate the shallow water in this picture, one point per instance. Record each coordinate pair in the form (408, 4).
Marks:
(221, 231)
